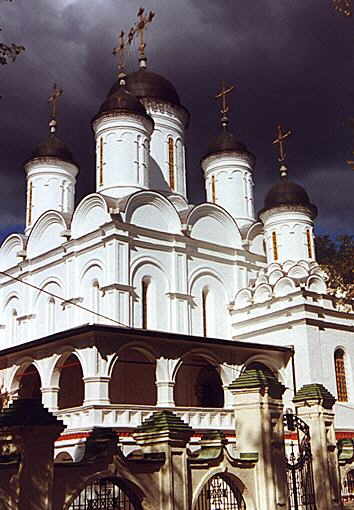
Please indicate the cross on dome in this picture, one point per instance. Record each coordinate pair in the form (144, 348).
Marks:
(224, 106)
(53, 100)
(119, 52)
(139, 29)
(282, 154)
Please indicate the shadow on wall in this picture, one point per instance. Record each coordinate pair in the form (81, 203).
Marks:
(198, 384)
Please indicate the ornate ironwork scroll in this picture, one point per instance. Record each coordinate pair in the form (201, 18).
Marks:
(219, 494)
(299, 466)
(103, 494)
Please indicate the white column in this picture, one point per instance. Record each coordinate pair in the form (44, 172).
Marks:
(165, 381)
(96, 390)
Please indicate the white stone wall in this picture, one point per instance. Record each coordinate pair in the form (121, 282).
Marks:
(169, 122)
(50, 186)
(233, 184)
(289, 224)
(122, 153)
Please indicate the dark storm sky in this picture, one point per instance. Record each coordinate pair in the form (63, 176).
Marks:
(291, 60)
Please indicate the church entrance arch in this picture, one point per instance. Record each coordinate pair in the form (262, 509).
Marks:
(105, 494)
(220, 493)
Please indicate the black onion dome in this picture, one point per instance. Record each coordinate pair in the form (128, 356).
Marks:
(145, 84)
(226, 141)
(53, 147)
(286, 192)
(122, 101)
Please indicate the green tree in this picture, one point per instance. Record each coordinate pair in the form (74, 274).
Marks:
(337, 260)
(9, 52)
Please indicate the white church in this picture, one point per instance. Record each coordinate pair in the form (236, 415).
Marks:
(135, 299)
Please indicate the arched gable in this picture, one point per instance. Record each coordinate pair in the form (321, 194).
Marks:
(255, 238)
(209, 315)
(10, 249)
(157, 305)
(91, 213)
(211, 223)
(46, 234)
(151, 210)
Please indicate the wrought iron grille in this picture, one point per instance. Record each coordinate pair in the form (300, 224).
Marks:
(103, 494)
(299, 466)
(348, 486)
(219, 494)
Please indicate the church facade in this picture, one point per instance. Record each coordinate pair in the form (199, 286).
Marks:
(137, 301)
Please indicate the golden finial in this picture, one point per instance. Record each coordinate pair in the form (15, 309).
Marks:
(282, 155)
(224, 106)
(53, 99)
(139, 28)
(119, 52)
(344, 7)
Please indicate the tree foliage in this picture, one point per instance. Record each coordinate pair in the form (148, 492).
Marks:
(337, 260)
(9, 52)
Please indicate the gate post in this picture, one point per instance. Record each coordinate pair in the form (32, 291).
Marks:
(259, 429)
(34, 430)
(166, 433)
(314, 404)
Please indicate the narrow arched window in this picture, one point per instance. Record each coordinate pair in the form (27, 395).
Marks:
(13, 326)
(341, 381)
(275, 246)
(29, 202)
(144, 303)
(95, 300)
(101, 162)
(309, 244)
(213, 189)
(204, 311)
(171, 163)
(51, 316)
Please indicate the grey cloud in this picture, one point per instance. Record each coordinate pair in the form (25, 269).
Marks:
(292, 63)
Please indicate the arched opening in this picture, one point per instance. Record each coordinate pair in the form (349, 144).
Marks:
(198, 384)
(219, 493)
(133, 379)
(341, 380)
(95, 300)
(106, 493)
(145, 295)
(13, 326)
(71, 385)
(30, 383)
(63, 457)
(204, 311)
(51, 316)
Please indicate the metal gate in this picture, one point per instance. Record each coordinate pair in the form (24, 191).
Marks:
(219, 494)
(299, 465)
(103, 494)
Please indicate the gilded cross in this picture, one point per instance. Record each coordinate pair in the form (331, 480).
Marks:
(280, 141)
(53, 99)
(139, 28)
(223, 96)
(119, 52)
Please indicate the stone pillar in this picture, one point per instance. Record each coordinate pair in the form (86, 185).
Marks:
(259, 431)
(314, 404)
(50, 397)
(164, 381)
(96, 390)
(34, 430)
(165, 433)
